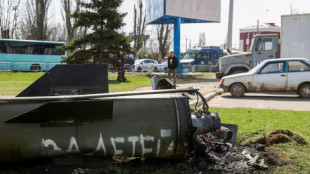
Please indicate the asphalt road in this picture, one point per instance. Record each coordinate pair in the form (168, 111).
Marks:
(282, 101)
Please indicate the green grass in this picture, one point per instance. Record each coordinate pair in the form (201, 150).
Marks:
(208, 74)
(254, 123)
(14, 83)
(134, 81)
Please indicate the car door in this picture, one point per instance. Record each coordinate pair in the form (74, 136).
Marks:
(150, 64)
(216, 58)
(202, 59)
(263, 50)
(271, 77)
(144, 65)
(298, 72)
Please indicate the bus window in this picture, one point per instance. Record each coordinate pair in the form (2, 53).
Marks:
(17, 47)
(38, 49)
(221, 55)
(3, 47)
(52, 50)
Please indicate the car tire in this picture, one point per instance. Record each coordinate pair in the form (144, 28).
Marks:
(304, 91)
(237, 90)
(139, 69)
(155, 69)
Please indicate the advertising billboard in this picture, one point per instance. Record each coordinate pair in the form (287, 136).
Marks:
(154, 10)
(205, 10)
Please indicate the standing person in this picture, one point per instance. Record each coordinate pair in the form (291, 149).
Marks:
(121, 68)
(172, 65)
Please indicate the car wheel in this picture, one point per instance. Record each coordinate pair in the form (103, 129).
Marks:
(304, 91)
(139, 69)
(237, 90)
(155, 69)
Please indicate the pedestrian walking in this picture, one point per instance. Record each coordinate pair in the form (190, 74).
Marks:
(121, 67)
(172, 65)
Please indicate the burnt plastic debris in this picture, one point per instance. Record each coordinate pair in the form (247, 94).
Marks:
(218, 156)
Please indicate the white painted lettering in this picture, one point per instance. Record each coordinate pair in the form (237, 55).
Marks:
(133, 139)
(165, 132)
(73, 143)
(101, 145)
(142, 141)
(158, 147)
(118, 140)
(50, 142)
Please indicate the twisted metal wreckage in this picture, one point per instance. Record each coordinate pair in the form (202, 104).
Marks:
(152, 124)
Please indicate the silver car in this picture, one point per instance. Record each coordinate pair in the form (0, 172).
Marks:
(145, 65)
(273, 75)
(163, 66)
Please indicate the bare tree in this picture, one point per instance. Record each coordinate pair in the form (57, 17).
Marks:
(56, 32)
(35, 25)
(9, 13)
(70, 6)
(139, 37)
(41, 18)
(28, 24)
(163, 34)
(202, 39)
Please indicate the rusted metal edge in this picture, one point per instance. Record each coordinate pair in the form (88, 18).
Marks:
(102, 95)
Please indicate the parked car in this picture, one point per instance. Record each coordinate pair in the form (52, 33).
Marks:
(204, 59)
(272, 75)
(163, 66)
(145, 65)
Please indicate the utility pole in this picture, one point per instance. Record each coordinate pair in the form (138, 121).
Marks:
(230, 24)
(186, 45)
(257, 26)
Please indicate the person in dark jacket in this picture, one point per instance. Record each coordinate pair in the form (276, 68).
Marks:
(173, 63)
(121, 68)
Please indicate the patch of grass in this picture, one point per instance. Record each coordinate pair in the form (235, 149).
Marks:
(134, 81)
(208, 74)
(14, 83)
(254, 123)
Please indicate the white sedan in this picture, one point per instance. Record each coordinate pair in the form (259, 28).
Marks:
(163, 66)
(145, 65)
(272, 75)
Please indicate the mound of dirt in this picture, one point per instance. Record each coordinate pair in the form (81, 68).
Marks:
(280, 136)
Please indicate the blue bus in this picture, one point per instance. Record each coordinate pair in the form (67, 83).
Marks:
(29, 55)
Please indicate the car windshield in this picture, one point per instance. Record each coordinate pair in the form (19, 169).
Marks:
(256, 68)
(190, 56)
(138, 61)
(307, 61)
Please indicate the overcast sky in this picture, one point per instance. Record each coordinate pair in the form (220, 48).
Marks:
(246, 13)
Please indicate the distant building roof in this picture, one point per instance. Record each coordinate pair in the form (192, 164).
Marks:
(262, 27)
